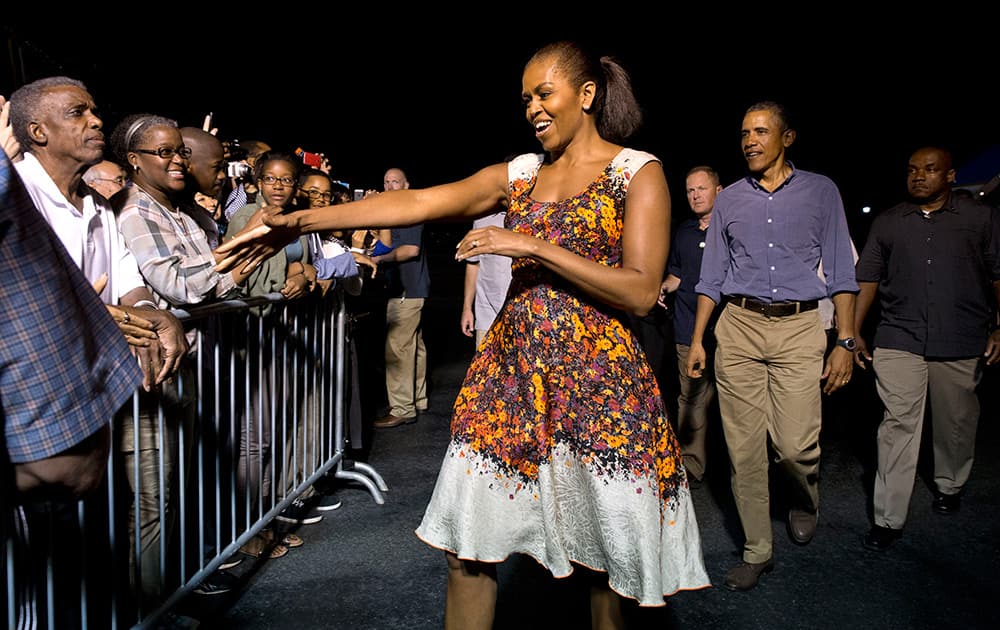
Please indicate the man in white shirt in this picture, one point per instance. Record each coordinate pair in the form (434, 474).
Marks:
(59, 133)
(53, 119)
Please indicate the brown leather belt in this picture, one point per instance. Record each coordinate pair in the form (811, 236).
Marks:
(773, 309)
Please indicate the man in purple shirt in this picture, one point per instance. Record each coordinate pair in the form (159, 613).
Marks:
(768, 235)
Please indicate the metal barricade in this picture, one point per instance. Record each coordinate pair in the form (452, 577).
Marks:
(252, 420)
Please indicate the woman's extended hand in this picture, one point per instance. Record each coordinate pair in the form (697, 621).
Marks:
(252, 246)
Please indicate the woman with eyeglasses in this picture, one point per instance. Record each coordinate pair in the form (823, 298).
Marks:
(171, 248)
(332, 257)
(289, 273)
(176, 262)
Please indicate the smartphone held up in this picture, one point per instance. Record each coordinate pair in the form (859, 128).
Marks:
(310, 159)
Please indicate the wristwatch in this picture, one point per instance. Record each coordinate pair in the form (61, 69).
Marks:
(848, 343)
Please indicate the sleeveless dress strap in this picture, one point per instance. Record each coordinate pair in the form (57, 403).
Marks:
(523, 168)
(628, 162)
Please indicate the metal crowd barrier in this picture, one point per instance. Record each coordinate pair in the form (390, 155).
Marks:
(254, 418)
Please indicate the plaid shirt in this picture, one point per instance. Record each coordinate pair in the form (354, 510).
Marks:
(65, 367)
(172, 251)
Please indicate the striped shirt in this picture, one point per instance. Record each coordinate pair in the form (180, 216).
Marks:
(172, 251)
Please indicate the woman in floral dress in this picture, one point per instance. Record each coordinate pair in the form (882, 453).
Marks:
(560, 445)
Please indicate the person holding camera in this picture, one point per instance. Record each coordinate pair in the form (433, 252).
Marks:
(242, 187)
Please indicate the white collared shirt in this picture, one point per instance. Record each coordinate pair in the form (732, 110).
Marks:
(71, 226)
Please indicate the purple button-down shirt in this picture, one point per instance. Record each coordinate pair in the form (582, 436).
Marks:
(768, 245)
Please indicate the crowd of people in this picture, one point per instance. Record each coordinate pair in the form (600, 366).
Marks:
(140, 208)
(561, 443)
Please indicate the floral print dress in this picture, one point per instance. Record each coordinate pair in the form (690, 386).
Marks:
(560, 445)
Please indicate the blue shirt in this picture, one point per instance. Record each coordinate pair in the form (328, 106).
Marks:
(409, 278)
(685, 263)
(65, 367)
(768, 245)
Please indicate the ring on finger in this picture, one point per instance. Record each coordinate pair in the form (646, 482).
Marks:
(126, 318)
(475, 244)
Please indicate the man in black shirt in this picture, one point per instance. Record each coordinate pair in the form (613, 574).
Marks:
(933, 263)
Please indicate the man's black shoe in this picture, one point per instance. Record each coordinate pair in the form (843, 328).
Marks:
(218, 583)
(946, 503)
(299, 513)
(881, 538)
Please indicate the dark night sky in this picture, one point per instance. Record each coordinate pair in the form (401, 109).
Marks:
(443, 100)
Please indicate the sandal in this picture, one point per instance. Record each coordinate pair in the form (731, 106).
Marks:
(289, 539)
(256, 546)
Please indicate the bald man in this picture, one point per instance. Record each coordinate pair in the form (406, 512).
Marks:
(408, 287)
(205, 176)
(106, 177)
(933, 260)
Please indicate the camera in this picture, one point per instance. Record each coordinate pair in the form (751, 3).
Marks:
(233, 151)
(238, 170)
(309, 159)
(359, 194)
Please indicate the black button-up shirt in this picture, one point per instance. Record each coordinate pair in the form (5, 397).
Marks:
(935, 276)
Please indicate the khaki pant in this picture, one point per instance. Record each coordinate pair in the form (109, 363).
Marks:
(405, 357)
(693, 404)
(767, 373)
(178, 400)
(904, 382)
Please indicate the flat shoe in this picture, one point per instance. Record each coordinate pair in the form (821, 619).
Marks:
(745, 575)
(881, 538)
(256, 546)
(946, 504)
(391, 421)
(289, 540)
(802, 525)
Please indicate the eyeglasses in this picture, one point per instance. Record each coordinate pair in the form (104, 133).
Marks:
(318, 194)
(167, 152)
(114, 180)
(271, 180)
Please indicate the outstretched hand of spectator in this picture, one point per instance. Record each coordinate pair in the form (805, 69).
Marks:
(206, 125)
(8, 142)
(250, 247)
(366, 260)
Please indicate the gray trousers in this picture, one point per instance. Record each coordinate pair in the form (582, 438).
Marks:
(693, 404)
(904, 382)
